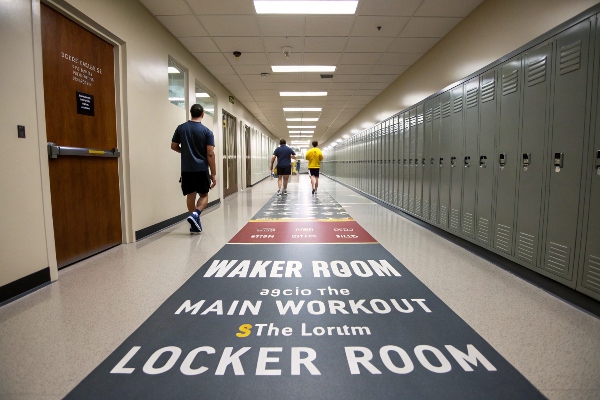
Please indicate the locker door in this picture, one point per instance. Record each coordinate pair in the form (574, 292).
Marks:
(536, 96)
(445, 154)
(406, 158)
(394, 165)
(456, 157)
(371, 159)
(436, 128)
(570, 108)
(411, 163)
(401, 161)
(469, 157)
(419, 161)
(386, 157)
(379, 160)
(427, 165)
(511, 82)
(488, 117)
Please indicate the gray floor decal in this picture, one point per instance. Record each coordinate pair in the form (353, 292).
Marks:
(304, 321)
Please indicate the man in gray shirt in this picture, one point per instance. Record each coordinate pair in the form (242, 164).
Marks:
(196, 144)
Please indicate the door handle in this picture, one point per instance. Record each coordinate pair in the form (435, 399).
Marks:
(526, 160)
(54, 151)
(467, 162)
(558, 161)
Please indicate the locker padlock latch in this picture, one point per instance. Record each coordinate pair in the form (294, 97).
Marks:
(441, 162)
(410, 162)
(526, 160)
(598, 162)
(423, 162)
(416, 162)
(467, 161)
(558, 161)
(482, 161)
(405, 161)
(502, 160)
(452, 161)
(432, 161)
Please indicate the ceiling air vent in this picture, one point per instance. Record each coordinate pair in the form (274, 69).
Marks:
(326, 76)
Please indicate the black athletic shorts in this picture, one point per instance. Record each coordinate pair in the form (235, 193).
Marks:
(284, 170)
(314, 172)
(198, 182)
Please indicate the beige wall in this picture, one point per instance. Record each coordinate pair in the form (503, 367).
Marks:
(494, 29)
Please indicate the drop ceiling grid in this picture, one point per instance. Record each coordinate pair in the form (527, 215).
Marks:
(367, 60)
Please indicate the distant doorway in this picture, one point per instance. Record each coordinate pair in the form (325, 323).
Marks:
(230, 185)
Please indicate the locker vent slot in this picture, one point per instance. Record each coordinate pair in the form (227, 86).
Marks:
(503, 238)
(411, 204)
(454, 219)
(406, 124)
(510, 83)
(405, 201)
(436, 112)
(426, 209)
(557, 258)
(570, 58)
(420, 119)
(483, 231)
(446, 109)
(443, 216)
(433, 212)
(591, 276)
(428, 115)
(472, 97)
(525, 247)
(487, 91)
(467, 226)
(458, 104)
(417, 205)
(536, 72)
(413, 121)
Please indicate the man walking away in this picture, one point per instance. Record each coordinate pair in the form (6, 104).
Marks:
(196, 144)
(284, 156)
(314, 157)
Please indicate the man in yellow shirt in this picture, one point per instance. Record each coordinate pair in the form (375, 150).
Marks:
(314, 157)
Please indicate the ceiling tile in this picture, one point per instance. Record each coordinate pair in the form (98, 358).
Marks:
(211, 59)
(321, 44)
(183, 25)
(220, 69)
(258, 90)
(292, 77)
(263, 98)
(274, 44)
(199, 44)
(389, 69)
(336, 103)
(261, 86)
(161, 7)
(360, 58)
(367, 44)
(248, 59)
(204, 7)
(388, 7)
(243, 44)
(330, 25)
(349, 78)
(230, 25)
(282, 25)
(321, 58)
(341, 92)
(412, 45)
(399, 59)
(304, 87)
(256, 78)
(280, 59)
(352, 70)
(445, 8)
(227, 79)
(367, 26)
(344, 85)
(429, 27)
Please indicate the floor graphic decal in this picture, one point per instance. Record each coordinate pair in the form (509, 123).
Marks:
(304, 304)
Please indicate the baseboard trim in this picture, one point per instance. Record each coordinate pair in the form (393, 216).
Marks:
(14, 290)
(151, 230)
(557, 289)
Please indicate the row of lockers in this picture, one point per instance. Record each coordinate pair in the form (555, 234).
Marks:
(509, 159)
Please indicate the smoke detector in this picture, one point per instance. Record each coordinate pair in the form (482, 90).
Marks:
(287, 50)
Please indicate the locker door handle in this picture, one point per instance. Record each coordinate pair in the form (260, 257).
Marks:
(423, 162)
(502, 160)
(482, 162)
(452, 162)
(467, 162)
(441, 162)
(558, 161)
(54, 151)
(526, 160)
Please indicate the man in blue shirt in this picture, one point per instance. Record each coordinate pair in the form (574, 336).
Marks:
(196, 144)
(284, 157)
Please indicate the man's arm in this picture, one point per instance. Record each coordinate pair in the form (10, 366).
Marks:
(176, 147)
(272, 161)
(294, 156)
(210, 155)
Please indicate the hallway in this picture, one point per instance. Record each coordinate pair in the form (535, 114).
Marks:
(53, 338)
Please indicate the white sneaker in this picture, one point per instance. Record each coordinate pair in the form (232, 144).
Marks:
(278, 193)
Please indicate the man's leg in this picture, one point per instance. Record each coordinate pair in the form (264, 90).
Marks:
(191, 201)
(202, 202)
(286, 178)
(279, 179)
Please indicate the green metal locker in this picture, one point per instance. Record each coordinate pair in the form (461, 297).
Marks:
(470, 156)
(419, 162)
(406, 159)
(427, 157)
(456, 156)
(445, 156)
(411, 162)
(434, 189)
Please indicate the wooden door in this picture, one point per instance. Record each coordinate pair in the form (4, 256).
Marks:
(248, 156)
(79, 95)
(229, 154)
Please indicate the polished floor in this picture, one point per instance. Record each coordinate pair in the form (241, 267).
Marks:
(51, 339)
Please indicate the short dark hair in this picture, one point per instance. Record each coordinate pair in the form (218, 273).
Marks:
(315, 143)
(196, 111)
(282, 141)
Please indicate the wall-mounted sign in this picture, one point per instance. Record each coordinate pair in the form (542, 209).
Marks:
(85, 104)
(231, 99)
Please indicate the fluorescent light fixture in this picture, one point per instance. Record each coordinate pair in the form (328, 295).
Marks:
(301, 126)
(305, 7)
(283, 94)
(339, 140)
(300, 141)
(346, 136)
(303, 68)
(302, 131)
(173, 70)
(301, 136)
(176, 99)
(355, 131)
(202, 95)
(317, 109)
(302, 119)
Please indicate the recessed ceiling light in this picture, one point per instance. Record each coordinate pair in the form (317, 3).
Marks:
(317, 109)
(302, 119)
(173, 70)
(302, 94)
(202, 95)
(176, 99)
(301, 136)
(302, 131)
(305, 7)
(303, 68)
(301, 126)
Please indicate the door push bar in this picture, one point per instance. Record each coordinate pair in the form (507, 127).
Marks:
(54, 151)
